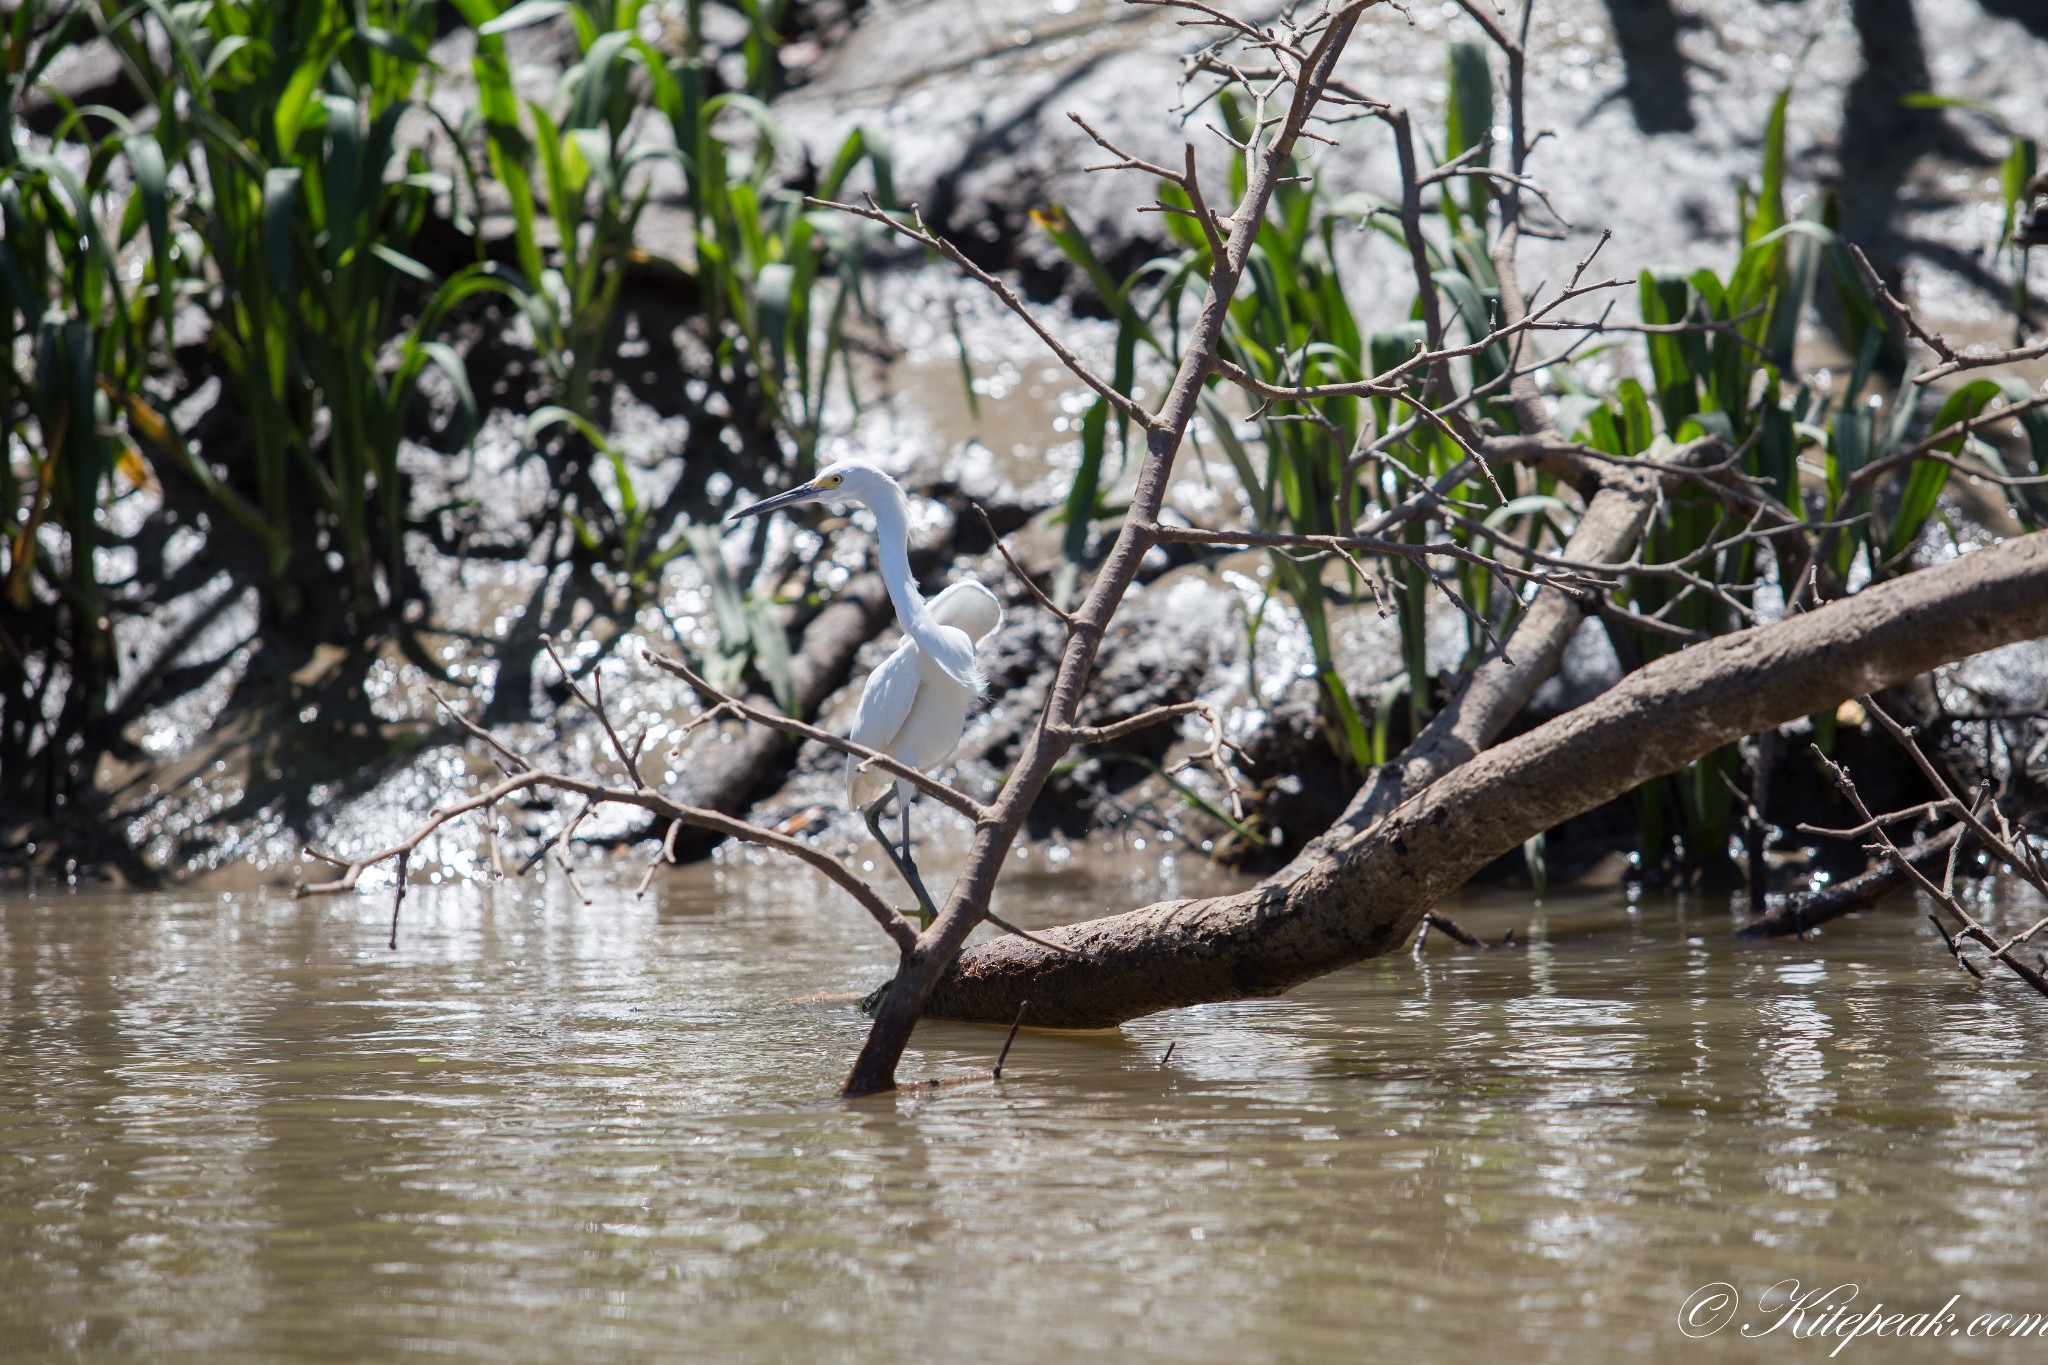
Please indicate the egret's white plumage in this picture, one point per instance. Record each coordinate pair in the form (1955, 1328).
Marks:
(914, 707)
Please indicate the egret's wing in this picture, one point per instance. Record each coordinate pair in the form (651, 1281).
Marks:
(885, 704)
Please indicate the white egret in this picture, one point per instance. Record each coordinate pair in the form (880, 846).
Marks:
(914, 706)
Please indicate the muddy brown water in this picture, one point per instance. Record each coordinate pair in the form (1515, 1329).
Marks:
(237, 1127)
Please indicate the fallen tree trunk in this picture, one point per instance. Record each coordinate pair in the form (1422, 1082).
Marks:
(1362, 895)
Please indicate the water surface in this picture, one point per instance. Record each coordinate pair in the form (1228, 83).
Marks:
(237, 1127)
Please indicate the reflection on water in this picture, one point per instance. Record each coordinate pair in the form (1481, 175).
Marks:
(235, 1125)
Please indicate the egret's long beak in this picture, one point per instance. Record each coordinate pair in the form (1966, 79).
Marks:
(803, 492)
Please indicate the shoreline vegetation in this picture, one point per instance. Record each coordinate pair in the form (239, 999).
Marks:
(286, 316)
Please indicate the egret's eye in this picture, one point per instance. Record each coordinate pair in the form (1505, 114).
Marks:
(832, 481)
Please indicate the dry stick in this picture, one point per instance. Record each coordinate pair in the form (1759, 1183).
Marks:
(1206, 216)
(1125, 161)
(1030, 583)
(727, 826)
(875, 1068)
(1513, 374)
(1386, 384)
(1130, 725)
(1870, 826)
(1417, 552)
(1488, 173)
(561, 850)
(1450, 928)
(666, 852)
(870, 758)
(1996, 844)
(1212, 755)
(398, 900)
(477, 731)
(1418, 248)
(1942, 895)
(1925, 450)
(491, 831)
(1004, 1055)
(1955, 947)
(596, 709)
(1810, 910)
(1952, 360)
(1757, 870)
(917, 232)
(999, 922)
(540, 854)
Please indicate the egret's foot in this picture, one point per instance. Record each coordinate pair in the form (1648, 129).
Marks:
(926, 910)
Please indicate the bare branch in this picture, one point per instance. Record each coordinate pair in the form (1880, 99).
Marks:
(1377, 545)
(1125, 161)
(1506, 177)
(774, 720)
(1927, 449)
(1992, 840)
(596, 794)
(1191, 182)
(476, 732)
(1106, 734)
(999, 922)
(1953, 360)
(1942, 895)
(1030, 583)
(596, 709)
(917, 232)
(1386, 384)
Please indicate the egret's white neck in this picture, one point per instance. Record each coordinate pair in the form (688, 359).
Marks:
(947, 646)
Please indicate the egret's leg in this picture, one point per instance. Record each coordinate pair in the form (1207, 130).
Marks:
(910, 872)
(926, 911)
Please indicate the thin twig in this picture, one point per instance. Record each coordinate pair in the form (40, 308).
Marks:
(1030, 583)
(870, 758)
(477, 731)
(1004, 1055)
(596, 708)
(398, 900)
(1953, 360)
(917, 232)
(1451, 929)
(999, 922)
(894, 924)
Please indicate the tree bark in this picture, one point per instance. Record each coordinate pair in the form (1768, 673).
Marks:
(1607, 533)
(1361, 894)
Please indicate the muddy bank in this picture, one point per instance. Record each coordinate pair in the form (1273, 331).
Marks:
(1653, 112)
(244, 735)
